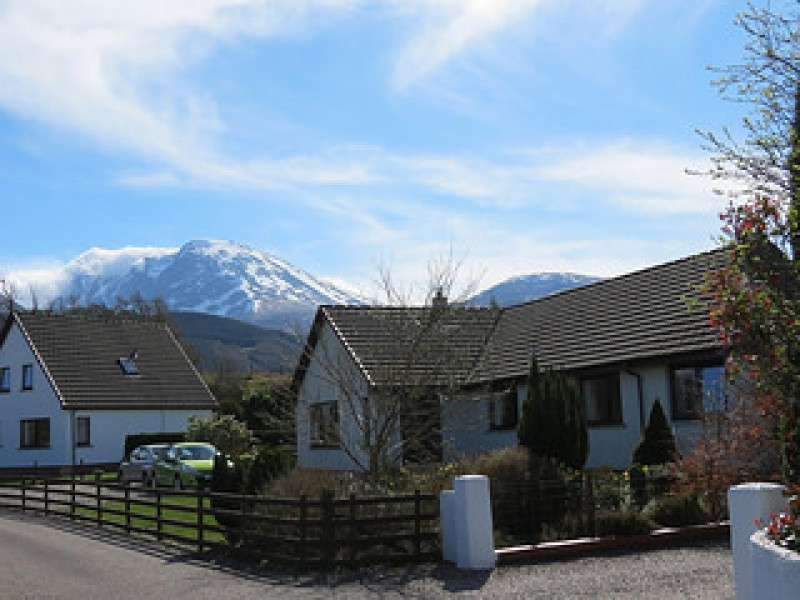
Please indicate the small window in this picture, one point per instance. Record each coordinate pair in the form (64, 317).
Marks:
(324, 425)
(34, 433)
(602, 400)
(82, 431)
(503, 410)
(128, 366)
(696, 390)
(5, 379)
(27, 377)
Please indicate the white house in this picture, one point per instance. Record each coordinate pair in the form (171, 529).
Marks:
(72, 387)
(626, 341)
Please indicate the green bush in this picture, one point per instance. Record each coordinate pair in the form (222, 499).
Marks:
(621, 522)
(677, 511)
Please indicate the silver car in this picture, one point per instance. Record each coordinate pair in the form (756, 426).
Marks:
(138, 466)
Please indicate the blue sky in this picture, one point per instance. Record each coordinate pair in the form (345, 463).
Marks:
(528, 135)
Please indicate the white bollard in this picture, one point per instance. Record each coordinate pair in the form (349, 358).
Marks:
(473, 520)
(748, 503)
(447, 515)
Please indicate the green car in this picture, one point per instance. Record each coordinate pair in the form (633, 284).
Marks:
(185, 465)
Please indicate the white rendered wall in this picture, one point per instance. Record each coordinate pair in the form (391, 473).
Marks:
(329, 362)
(465, 427)
(40, 402)
(108, 429)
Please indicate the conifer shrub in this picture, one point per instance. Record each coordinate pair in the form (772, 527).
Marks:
(657, 446)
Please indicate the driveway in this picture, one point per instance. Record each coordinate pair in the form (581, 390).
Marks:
(52, 558)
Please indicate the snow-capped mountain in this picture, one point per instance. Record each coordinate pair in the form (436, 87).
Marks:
(214, 277)
(518, 290)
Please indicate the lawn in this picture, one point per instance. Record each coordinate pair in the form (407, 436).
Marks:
(171, 509)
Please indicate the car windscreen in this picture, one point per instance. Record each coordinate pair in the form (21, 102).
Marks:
(197, 452)
(160, 451)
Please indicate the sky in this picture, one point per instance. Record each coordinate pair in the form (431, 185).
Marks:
(348, 135)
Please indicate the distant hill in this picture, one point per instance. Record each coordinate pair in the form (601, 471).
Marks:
(232, 344)
(525, 288)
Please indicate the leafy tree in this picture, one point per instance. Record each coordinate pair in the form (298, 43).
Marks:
(229, 436)
(553, 424)
(657, 446)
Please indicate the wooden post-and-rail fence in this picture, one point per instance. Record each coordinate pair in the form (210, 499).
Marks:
(324, 532)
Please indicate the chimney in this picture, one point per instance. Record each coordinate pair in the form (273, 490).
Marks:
(439, 299)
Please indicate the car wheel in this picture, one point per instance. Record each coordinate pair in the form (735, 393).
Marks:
(177, 484)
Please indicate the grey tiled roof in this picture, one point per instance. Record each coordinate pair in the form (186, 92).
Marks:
(642, 315)
(80, 355)
(397, 345)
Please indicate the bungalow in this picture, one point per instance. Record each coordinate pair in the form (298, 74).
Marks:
(72, 387)
(626, 341)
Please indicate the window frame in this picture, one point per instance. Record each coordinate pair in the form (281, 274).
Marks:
(614, 418)
(508, 400)
(41, 438)
(5, 380)
(79, 442)
(324, 425)
(681, 413)
(26, 385)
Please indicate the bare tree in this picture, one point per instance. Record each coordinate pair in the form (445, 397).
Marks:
(378, 376)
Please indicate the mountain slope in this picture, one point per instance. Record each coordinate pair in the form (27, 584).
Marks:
(212, 277)
(224, 343)
(519, 290)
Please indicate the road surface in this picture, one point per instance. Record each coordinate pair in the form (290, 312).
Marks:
(53, 558)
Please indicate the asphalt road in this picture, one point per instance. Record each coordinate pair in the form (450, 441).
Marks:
(51, 558)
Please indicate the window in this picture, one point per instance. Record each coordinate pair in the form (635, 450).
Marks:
(602, 400)
(27, 377)
(34, 433)
(503, 410)
(5, 379)
(128, 366)
(698, 389)
(324, 424)
(83, 431)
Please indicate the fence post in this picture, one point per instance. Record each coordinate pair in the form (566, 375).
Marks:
(72, 497)
(199, 520)
(127, 510)
(159, 524)
(417, 525)
(327, 528)
(353, 538)
(46, 498)
(99, 504)
(22, 484)
(303, 525)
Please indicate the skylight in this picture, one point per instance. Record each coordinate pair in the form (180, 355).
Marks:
(128, 366)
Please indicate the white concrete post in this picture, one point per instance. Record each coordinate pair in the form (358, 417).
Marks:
(473, 515)
(748, 503)
(447, 516)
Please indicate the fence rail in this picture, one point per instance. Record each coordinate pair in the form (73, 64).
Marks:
(307, 532)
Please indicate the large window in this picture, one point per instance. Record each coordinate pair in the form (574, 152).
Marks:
(83, 431)
(601, 398)
(34, 433)
(27, 377)
(503, 410)
(324, 425)
(698, 389)
(5, 379)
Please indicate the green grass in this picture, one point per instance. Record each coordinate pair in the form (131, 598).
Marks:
(188, 531)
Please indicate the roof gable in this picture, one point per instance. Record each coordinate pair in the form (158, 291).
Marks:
(81, 357)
